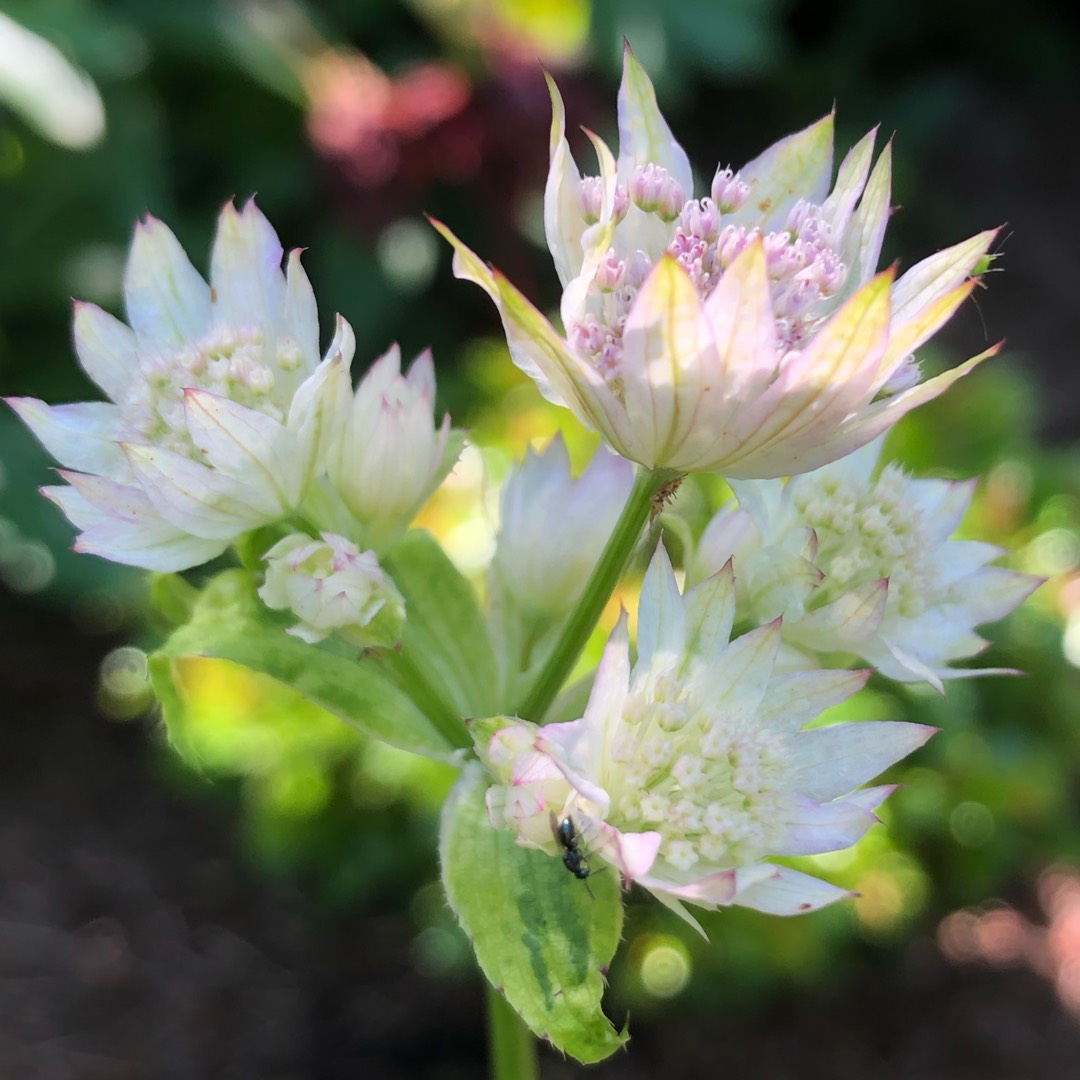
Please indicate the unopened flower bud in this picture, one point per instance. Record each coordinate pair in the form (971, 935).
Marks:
(389, 456)
(332, 586)
(609, 273)
(656, 191)
(592, 198)
(728, 191)
(700, 218)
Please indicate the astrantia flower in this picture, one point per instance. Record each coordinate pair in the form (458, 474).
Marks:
(692, 769)
(217, 415)
(862, 563)
(743, 331)
(554, 527)
(386, 456)
(333, 587)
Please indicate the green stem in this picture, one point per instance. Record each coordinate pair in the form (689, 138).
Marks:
(598, 591)
(511, 1044)
(438, 710)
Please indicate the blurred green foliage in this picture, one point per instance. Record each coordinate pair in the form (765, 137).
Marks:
(208, 99)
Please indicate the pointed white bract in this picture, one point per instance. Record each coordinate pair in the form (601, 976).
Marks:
(692, 768)
(745, 331)
(217, 413)
(387, 455)
(333, 587)
(860, 561)
(554, 527)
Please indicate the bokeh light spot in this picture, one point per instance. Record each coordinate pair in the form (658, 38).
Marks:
(665, 966)
(408, 254)
(972, 824)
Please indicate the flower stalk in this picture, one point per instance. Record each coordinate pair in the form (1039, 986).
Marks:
(512, 1046)
(648, 483)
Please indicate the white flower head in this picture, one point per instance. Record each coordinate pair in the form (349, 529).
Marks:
(387, 455)
(216, 419)
(690, 770)
(554, 527)
(745, 331)
(861, 561)
(333, 587)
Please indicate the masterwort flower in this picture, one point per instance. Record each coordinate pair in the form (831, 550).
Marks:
(333, 587)
(743, 331)
(861, 561)
(691, 770)
(553, 527)
(217, 415)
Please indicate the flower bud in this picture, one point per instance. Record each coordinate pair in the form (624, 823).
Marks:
(331, 586)
(388, 457)
(554, 527)
(728, 191)
(656, 191)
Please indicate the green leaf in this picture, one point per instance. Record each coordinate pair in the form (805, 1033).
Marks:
(172, 597)
(539, 936)
(445, 641)
(229, 623)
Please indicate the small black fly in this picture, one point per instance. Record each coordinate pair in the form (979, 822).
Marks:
(574, 859)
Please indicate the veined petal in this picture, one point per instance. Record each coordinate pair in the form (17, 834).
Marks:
(958, 558)
(824, 382)
(155, 546)
(881, 415)
(710, 613)
(907, 336)
(943, 504)
(245, 270)
(319, 411)
(166, 298)
(661, 622)
(709, 891)
(829, 761)
(536, 347)
(991, 593)
(300, 318)
(849, 621)
(80, 436)
(668, 351)
(796, 167)
(850, 181)
(744, 326)
(938, 275)
(789, 892)
(105, 347)
(813, 828)
(740, 681)
(644, 135)
(564, 215)
(726, 534)
(194, 497)
(632, 853)
(608, 695)
(248, 446)
(119, 523)
(866, 232)
(793, 700)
